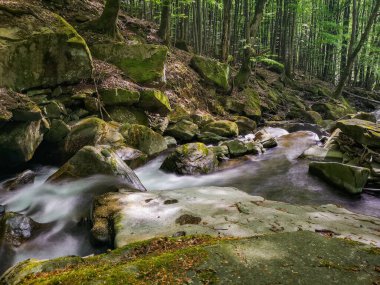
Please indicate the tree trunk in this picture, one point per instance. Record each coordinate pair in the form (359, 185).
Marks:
(107, 22)
(164, 30)
(353, 55)
(226, 34)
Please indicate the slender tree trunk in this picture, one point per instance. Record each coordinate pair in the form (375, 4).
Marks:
(352, 56)
(226, 30)
(164, 30)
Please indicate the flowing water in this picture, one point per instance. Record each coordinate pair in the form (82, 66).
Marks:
(64, 209)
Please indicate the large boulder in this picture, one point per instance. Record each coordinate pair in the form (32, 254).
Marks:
(91, 131)
(245, 125)
(22, 179)
(246, 102)
(236, 148)
(155, 101)
(19, 141)
(212, 71)
(143, 63)
(183, 130)
(208, 210)
(143, 138)
(39, 48)
(191, 159)
(347, 177)
(222, 128)
(332, 110)
(128, 114)
(99, 160)
(363, 132)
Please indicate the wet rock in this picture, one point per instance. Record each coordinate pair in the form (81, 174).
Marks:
(183, 130)
(154, 101)
(265, 139)
(349, 178)
(91, 131)
(19, 141)
(22, 179)
(246, 103)
(245, 125)
(365, 116)
(292, 127)
(224, 212)
(39, 48)
(254, 147)
(210, 138)
(99, 160)
(191, 159)
(363, 132)
(132, 157)
(222, 128)
(212, 71)
(143, 63)
(170, 141)
(143, 138)
(323, 154)
(331, 110)
(2, 210)
(119, 96)
(17, 228)
(236, 148)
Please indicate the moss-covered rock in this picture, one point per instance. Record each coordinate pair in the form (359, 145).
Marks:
(191, 159)
(349, 178)
(143, 138)
(39, 48)
(19, 141)
(130, 115)
(221, 151)
(206, 260)
(155, 101)
(332, 110)
(364, 132)
(91, 131)
(246, 102)
(209, 137)
(54, 110)
(134, 158)
(245, 125)
(222, 128)
(365, 116)
(236, 148)
(99, 160)
(143, 63)
(117, 96)
(183, 130)
(212, 71)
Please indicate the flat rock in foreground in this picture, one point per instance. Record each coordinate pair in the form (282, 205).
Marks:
(286, 258)
(220, 211)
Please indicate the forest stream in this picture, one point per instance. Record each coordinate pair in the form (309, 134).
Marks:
(64, 209)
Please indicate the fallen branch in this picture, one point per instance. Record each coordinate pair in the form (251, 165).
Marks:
(363, 98)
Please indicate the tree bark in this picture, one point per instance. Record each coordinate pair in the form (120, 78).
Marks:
(226, 30)
(351, 57)
(164, 30)
(107, 22)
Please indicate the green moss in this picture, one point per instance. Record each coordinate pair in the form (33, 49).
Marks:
(272, 64)
(211, 70)
(222, 128)
(119, 96)
(154, 100)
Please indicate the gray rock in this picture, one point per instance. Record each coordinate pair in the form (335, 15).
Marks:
(183, 130)
(22, 179)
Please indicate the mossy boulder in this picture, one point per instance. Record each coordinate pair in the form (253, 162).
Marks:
(347, 177)
(39, 48)
(118, 96)
(288, 258)
(54, 110)
(246, 102)
(143, 63)
(91, 131)
(99, 160)
(17, 107)
(155, 101)
(365, 116)
(236, 148)
(143, 138)
(209, 137)
(126, 114)
(222, 128)
(134, 158)
(245, 125)
(19, 141)
(183, 130)
(191, 159)
(332, 110)
(363, 132)
(212, 71)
